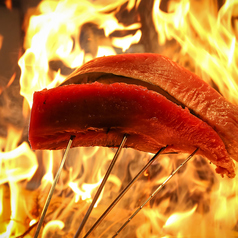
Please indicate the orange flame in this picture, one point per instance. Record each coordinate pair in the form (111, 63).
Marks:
(8, 4)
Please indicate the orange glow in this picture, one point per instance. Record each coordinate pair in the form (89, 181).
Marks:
(8, 4)
(1, 204)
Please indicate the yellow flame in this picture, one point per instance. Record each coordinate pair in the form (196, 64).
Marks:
(1, 41)
(53, 35)
(32, 222)
(13, 138)
(178, 217)
(1, 199)
(17, 164)
(86, 192)
(176, 222)
(48, 177)
(104, 51)
(127, 41)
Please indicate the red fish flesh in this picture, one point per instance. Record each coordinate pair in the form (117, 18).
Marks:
(100, 114)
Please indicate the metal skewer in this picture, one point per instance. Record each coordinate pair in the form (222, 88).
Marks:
(53, 188)
(155, 192)
(101, 186)
(123, 192)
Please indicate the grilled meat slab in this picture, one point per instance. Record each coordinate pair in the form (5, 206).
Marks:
(179, 85)
(100, 114)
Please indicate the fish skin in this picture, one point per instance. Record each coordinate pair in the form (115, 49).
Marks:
(185, 86)
(99, 115)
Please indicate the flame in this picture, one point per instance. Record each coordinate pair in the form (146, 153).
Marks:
(62, 35)
(1, 41)
(17, 163)
(177, 222)
(52, 35)
(207, 36)
(52, 227)
(127, 41)
(8, 4)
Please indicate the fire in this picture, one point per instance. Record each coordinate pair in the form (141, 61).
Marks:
(207, 36)
(62, 35)
(126, 41)
(54, 35)
(177, 220)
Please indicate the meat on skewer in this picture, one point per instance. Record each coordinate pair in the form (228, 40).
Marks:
(173, 107)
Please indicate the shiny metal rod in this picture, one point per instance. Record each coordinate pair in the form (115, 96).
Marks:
(123, 192)
(155, 192)
(47, 203)
(101, 186)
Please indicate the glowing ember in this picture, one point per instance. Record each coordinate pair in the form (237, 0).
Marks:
(61, 35)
